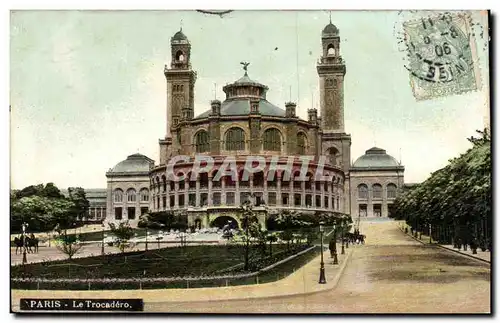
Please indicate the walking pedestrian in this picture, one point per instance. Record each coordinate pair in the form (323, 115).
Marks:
(331, 246)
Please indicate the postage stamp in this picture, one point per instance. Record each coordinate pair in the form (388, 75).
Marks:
(442, 55)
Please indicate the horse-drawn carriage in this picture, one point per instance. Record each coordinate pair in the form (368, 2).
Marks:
(354, 237)
(28, 242)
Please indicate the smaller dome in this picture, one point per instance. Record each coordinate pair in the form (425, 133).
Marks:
(330, 29)
(376, 157)
(135, 163)
(179, 36)
(245, 80)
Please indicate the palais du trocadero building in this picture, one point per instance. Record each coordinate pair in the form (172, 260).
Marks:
(247, 124)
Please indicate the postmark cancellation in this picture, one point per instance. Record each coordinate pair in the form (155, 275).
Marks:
(442, 55)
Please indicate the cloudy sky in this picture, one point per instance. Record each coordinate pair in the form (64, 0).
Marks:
(87, 87)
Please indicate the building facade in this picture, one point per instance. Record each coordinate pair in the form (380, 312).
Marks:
(97, 198)
(128, 191)
(244, 124)
(376, 180)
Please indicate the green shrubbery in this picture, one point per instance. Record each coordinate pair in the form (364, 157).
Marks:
(455, 201)
(44, 207)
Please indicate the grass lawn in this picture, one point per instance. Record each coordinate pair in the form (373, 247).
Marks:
(166, 262)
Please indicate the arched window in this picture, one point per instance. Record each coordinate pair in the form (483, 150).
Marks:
(297, 181)
(202, 142)
(309, 180)
(164, 183)
(330, 50)
(118, 195)
(157, 184)
(144, 195)
(258, 179)
(182, 181)
(301, 143)
(235, 139)
(179, 56)
(332, 155)
(362, 191)
(272, 139)
(377, 191)
(203, 180)
(131, 195)
(391, 191)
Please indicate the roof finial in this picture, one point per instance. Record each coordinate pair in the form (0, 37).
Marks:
(245, 67)
(181, 24)
(215, 90)
(330, 16)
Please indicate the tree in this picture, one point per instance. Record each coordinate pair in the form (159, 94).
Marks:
(61, 213)
(248, 219)
(42, 207)
(50, 190)
(30, 191)
(32, 210)
(272, 238)
(70, 245)
(165, 219)
(455, 200)
(123, 233)
(81, 204)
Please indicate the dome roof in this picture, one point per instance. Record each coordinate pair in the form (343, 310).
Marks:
(242, 107)
(246, 80)
(135, 163)
(330, 29)
(238, 97)
(376, 157)
(179, 36)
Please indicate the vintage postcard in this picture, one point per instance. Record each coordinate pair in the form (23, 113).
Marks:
(250, 162)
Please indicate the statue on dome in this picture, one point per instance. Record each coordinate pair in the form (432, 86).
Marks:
(245, 66)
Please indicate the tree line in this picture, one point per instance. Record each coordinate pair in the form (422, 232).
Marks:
(44, 208)
(454, 203)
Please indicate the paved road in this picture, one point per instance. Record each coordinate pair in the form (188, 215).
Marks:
(392, 273)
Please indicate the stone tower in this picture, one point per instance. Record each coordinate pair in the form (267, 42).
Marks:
(331, 71)
(335, 143)
(180, 83)
(180, 96)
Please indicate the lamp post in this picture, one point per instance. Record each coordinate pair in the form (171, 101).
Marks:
(24, 227)
(335, 259)
(160, 237)
(342, 235)
(50, 236)
(146, 246)
(102, 239)
(247, 208)
(322, 278)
